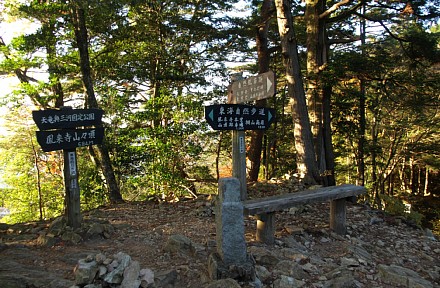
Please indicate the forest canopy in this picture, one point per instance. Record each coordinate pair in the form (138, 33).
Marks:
(357, 96)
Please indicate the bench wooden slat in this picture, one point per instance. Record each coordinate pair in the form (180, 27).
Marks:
(281, 202)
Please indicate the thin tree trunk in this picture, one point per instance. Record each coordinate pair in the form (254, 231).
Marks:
(362, 121)
(254, 152)
(425, 190)
(327, 137)
(306, 161)
(91, 102)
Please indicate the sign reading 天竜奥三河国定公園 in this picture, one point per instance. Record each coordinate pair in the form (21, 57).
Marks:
(66, 118)
(59, 130)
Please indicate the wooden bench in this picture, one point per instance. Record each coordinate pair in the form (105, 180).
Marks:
(265, 208)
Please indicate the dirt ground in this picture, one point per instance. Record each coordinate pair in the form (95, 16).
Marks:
(142, 230)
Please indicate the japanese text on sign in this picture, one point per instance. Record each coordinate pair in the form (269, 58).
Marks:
(238, 117)
(66, 118)
(234, 117)
(253, 88)
(69, 138)
(61, 137)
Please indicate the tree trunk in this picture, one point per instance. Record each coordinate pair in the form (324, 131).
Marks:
(318, 92)
(327, 137)
(425, 189)
(362, 121)
(91, 102)
(254, 153)
(306, 161)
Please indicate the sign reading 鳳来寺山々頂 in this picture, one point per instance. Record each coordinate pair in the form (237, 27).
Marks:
(239, 117)
(59, 132)
(66, 118)
(69, 138)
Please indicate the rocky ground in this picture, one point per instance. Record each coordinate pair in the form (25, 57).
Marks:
(377, 251)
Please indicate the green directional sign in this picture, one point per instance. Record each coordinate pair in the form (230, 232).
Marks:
(239, 117)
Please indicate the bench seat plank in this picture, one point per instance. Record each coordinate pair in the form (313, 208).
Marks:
(281, 202)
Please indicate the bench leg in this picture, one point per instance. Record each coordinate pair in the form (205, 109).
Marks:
(338, 212)
(266, 228)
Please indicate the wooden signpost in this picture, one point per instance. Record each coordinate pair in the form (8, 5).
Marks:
(60, 132)
(238, 118)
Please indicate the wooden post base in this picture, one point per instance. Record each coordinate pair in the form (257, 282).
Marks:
(266, 228)
(338, 211)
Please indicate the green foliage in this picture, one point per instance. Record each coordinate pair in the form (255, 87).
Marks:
(34, 184)
(394, 206)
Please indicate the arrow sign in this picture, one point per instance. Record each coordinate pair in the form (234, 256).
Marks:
(257, 87)
(69, 138)
(66, 118)
(239, 117)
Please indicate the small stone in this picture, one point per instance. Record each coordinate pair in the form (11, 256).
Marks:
(179, 243)
(288, 282)
(100, 258)
(224, 283)
(349, 262)
(375, 220)
(85, 272)
(325, 240)
(262, 273)
(147, 277)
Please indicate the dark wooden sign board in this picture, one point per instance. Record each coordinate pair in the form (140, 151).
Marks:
(66, 118)
(239, 117)
(60, 132)
(69, 138)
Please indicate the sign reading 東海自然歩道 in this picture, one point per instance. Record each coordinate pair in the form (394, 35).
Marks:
(239, 117)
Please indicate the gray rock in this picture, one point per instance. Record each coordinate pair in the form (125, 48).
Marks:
(292, 243)
(396, 275)
(288, 282)
(262, 273)
(57, 226)
(85, 272)
(116, 275)
(224, 283)
(361, 254)
(349, 262)
(46, 240)
(131, 276)
(180, 244)
(166, 278)
(263, 256)
(290, 268)
(147, 277)
(346, 280)
(96, 230)
(71, 237)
